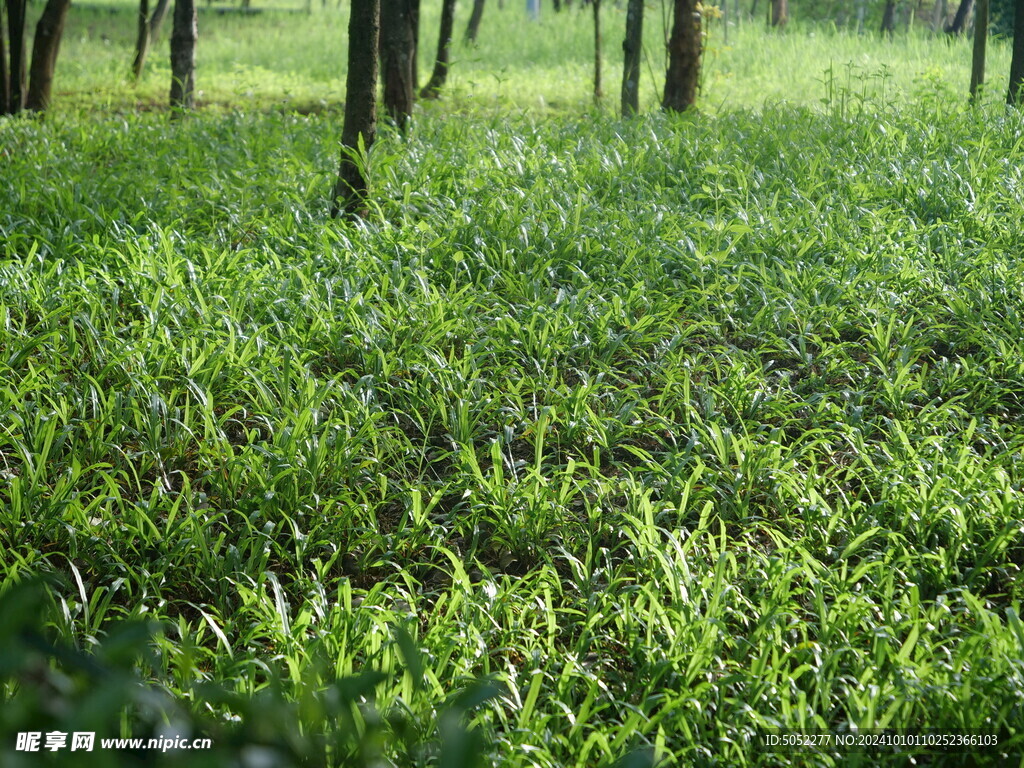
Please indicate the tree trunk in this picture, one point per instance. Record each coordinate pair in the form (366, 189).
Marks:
(396, 46)
(684, 53)
(414, 17)
(889, 18)
(360, 127)
(437, 80)
(939, 11)
(141, 40)
(1017, 59)
(183, 54)
(473, 27)
(598, 93)
(632, 47)
(753, 10)
(780, 13)
(862, 8)
(960, 20)
(16, 71)
(157, 19)
(152, 29)
(5, 83)
(980, 39)
(49, 30)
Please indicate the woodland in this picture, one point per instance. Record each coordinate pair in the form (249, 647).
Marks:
(511, 383)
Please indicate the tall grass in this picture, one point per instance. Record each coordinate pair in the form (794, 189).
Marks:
(679, 430)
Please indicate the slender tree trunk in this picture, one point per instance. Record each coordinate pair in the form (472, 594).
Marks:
(157, 19)
(183, 54)
(960, 19)
(141, 40)
(980, 39)
(396, 46)
(437, 80)
(939, 12)
(5, 82)
(414, 17)
(473, 27)
(16, 71)
(557, 5)
(632, 48)
(598, 92)
(753, 9)
(780, 13)
(1017, 58)
(684, 53)
(360, 126)
(889, 18)
(49, 30)
(862, 8)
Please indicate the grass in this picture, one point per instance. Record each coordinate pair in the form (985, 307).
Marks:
(678, 430)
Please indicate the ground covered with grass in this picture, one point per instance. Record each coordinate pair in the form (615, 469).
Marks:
(676, 430)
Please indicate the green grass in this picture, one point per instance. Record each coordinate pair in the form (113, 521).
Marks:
(678, 429)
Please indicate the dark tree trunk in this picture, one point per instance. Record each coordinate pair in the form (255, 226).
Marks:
(980, 40)
(632, 48)
(396, 47)
(16, 70)
(598, 92)
(557, 5)
(780, 13)
(956, 28)
(183, 54)
(1017, 58)
(152, 29)
(141, 40)
(684, 54)
(5, 83)
(414, 16)
(753, 10)
(437, 80)
(360, 126)
(473, 27)
(49, 30)
(889, 18)
(157, 19)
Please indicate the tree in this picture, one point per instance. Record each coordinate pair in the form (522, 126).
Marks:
(440, 74)
(980, 38)
(1017, 58)
(684, 52)
(360, 126)
(889, 18)
(473, 27)
(148, 29)
(597, 49)
(780, 13)
(15, 76)
(183, 54)
(49, 30)
(396, 49)
(956, 28)
(632, 48)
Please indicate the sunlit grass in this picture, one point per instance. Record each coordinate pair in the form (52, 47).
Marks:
(678, 429)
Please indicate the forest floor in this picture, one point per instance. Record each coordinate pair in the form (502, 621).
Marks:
(597, 440)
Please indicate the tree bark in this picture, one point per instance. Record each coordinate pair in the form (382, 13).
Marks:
(5, 84)
(16, 11)
(440, 75)
(684, 54)
(360, 127)
(49, 30)
(396, 46)
(141, 40)
(157, 19)
(780, 13)
(473, 27)
(598, 91)
(1017, 58)
(183, 54)
(632, 49)
(956, 28)
(978, 57)
(889, 18)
